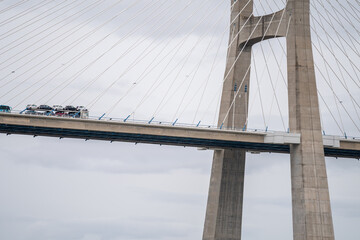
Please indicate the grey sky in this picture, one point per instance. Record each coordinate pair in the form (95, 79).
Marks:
(56, 189)
(72, 189)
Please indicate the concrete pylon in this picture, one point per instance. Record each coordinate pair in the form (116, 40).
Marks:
(311, 204)
(225, 200)
(312, 218)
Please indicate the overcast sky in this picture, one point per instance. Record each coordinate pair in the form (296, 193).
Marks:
(72, 189)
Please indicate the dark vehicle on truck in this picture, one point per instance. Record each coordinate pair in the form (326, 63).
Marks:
(70, 108)
(44, 110)
(45, 107)
(30, 112)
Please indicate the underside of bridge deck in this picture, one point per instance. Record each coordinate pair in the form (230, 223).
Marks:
(165, 135)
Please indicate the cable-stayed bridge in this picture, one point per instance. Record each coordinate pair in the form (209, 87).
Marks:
(102, 59)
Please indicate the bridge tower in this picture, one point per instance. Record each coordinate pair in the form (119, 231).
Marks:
(312, 218)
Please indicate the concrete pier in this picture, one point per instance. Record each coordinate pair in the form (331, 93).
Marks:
(312, 218)
(225, 201)
(310, 196)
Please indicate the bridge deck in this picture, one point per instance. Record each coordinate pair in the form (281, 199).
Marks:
(166, 135)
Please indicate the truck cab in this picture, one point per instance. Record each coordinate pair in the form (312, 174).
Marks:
(5, 108)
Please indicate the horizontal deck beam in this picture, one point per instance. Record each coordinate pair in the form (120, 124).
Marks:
(166, 135)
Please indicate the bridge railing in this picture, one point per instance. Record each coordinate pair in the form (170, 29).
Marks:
(177, 124)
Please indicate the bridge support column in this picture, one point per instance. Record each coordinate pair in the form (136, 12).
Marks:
(312, 217)
(224, 209)
(225, 200)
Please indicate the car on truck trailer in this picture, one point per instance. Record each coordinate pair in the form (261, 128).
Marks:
(57, 107)
(31, 107)
(57, 110)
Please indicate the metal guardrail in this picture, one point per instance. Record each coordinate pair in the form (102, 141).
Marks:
(156, 122)
(179, 124)
(152, 132)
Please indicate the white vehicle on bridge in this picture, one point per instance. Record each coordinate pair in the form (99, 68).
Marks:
(84, 113)
(80, 108)
(31, 107)
(58, 107)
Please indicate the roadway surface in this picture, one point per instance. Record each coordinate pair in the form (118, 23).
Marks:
(107, 130)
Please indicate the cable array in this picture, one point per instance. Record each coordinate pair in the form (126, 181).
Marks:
(165, 59)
